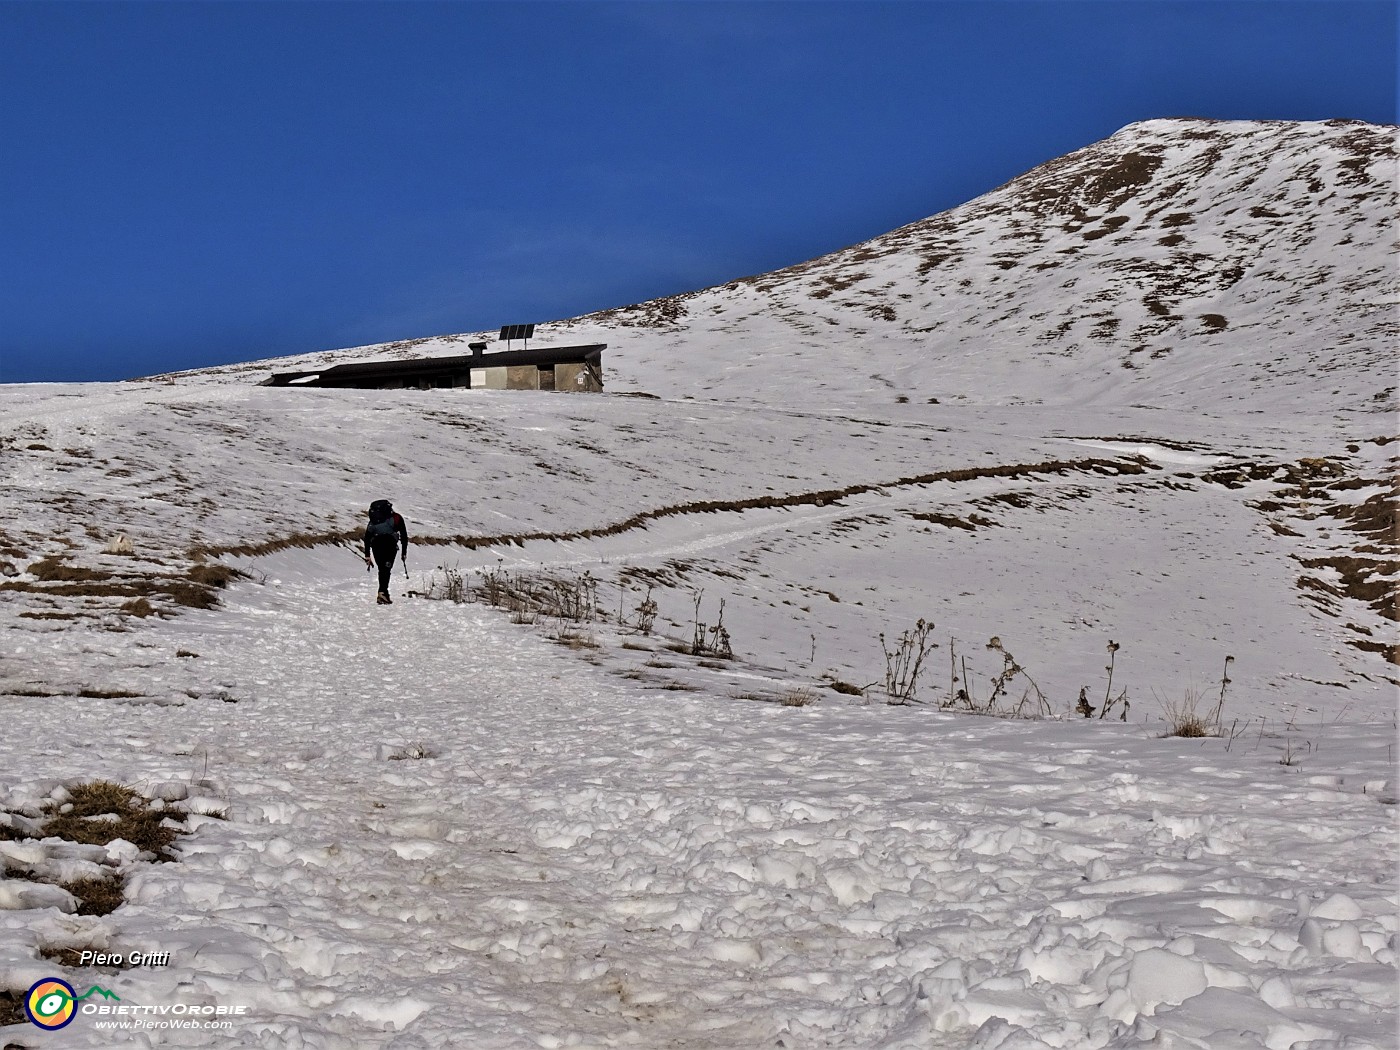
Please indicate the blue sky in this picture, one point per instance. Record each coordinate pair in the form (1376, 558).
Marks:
(194, 183)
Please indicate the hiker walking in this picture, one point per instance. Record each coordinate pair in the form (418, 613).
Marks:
(383, 535)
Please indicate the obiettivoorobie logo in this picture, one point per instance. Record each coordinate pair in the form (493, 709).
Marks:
(52, 1003)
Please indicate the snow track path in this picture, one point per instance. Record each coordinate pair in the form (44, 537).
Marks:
(447, 831)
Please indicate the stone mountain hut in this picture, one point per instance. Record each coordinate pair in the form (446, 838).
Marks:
(576, 369)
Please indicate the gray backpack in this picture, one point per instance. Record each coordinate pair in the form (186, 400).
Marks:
(381, 522)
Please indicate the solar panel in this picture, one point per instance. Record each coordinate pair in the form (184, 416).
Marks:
(517, 331)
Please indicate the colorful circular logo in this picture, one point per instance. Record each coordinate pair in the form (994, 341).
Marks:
(50, 1003)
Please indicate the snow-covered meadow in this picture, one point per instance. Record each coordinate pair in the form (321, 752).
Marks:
(445, 828)
(428, 825)
(582, 860)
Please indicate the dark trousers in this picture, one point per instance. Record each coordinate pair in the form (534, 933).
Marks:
(384, 558)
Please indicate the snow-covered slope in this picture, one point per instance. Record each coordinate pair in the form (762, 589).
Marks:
(1203, 537)
(1180, 263)
(1164, 444)
(1177, 264)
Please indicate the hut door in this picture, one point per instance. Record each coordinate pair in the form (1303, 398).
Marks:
(547, 378)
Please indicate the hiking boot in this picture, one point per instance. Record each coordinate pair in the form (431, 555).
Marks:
(384, 598)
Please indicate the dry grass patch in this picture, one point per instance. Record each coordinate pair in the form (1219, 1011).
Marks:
(54, 570)
(179, 591)
(798, 696)
(96, 814)
(102, 812)
(1366, 580)
(220, 576)
(1187, 725)
(12, 872)
(951, 521)
(191, 595)
(12, 1012)
(1390, 653)
(302, 540)
(845, 688)
(144, 593)
(1186, 719)
(97, 895)
(574, 640)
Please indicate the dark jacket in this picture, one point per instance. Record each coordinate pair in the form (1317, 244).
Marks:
(399, 528)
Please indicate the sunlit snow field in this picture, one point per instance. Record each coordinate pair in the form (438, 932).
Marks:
(446, 829)
(1130, 418)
